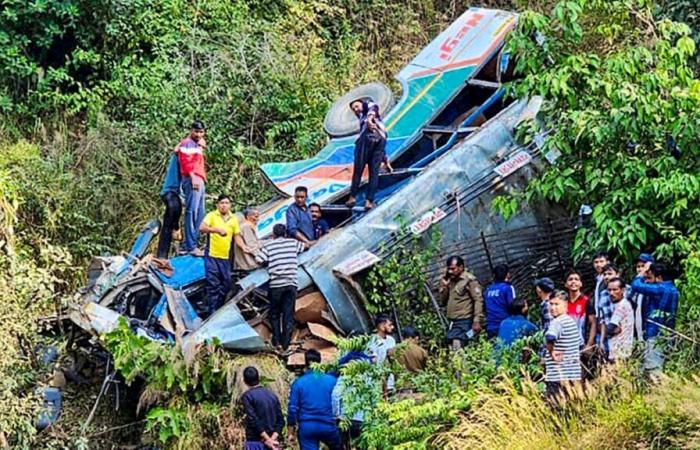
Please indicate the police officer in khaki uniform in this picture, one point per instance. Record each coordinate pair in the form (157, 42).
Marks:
(465, 302)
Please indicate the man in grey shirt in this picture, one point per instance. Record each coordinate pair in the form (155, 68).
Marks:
(244, 261)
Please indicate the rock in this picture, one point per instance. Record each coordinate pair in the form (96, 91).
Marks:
(296, 359)
(264, 330)
(317, 344)
(299, 334)
(328, 317)
(327, 350)
(328, 354)
(322, 331)
(58, 380)
(310, 308)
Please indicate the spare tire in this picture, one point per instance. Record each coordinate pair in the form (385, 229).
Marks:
(341, 121)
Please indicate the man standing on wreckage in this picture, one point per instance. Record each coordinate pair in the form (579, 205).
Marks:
(369, 150)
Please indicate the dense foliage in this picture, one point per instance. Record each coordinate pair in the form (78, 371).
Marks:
(109, 88)
(621, 108)
(32, 286)
(190, 397)
(102, 91)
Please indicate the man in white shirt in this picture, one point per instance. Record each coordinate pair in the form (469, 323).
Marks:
(621, 326)
(382, 344)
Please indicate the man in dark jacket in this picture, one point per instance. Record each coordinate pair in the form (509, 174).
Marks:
(369, 150)
(170, 194)
(263, 414)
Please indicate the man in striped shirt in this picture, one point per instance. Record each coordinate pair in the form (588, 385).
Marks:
(562, 359)
(280, 256)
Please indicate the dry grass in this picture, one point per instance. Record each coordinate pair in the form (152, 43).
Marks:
(274, 375)
(614, 414)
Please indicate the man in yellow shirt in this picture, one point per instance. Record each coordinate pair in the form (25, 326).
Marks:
(221, 227)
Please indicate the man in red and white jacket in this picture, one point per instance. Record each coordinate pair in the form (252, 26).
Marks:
(190, 154)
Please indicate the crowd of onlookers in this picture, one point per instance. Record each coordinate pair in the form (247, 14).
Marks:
(582, 333)
(316, 399)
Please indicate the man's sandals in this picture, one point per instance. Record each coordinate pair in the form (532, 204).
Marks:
(352, 202)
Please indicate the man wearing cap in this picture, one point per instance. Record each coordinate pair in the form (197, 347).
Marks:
(465, 302)
(190, 154)
(637, 298)
(543, 288)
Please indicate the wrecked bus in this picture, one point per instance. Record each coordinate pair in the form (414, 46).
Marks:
(451, 142)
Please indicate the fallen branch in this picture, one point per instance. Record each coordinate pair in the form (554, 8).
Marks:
(109, 430)
(672, 331)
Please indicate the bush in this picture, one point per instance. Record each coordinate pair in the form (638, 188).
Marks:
(33, 285)
(191, 399)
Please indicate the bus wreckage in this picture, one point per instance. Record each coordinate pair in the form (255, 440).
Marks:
(451, 143)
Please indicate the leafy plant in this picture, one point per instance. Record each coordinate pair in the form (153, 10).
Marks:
(620, 100)
(185, 394)
(397, 283)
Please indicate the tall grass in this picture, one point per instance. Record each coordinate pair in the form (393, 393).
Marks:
(616, 412)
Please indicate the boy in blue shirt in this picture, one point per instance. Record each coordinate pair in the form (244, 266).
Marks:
(515, 326)
(497, 299)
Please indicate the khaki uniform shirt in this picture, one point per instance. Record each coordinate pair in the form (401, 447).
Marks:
(464, 298)
(242, 260)
(413, 357)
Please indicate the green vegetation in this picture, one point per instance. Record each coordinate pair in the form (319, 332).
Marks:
(397, 284)
(190, 396)
(94, 95)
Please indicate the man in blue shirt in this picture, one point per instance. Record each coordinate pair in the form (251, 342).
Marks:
(658, 312)
(320, 226)
(497, 298)
(310, 408)
(516, 325)
(170, 194)
(299, 222)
